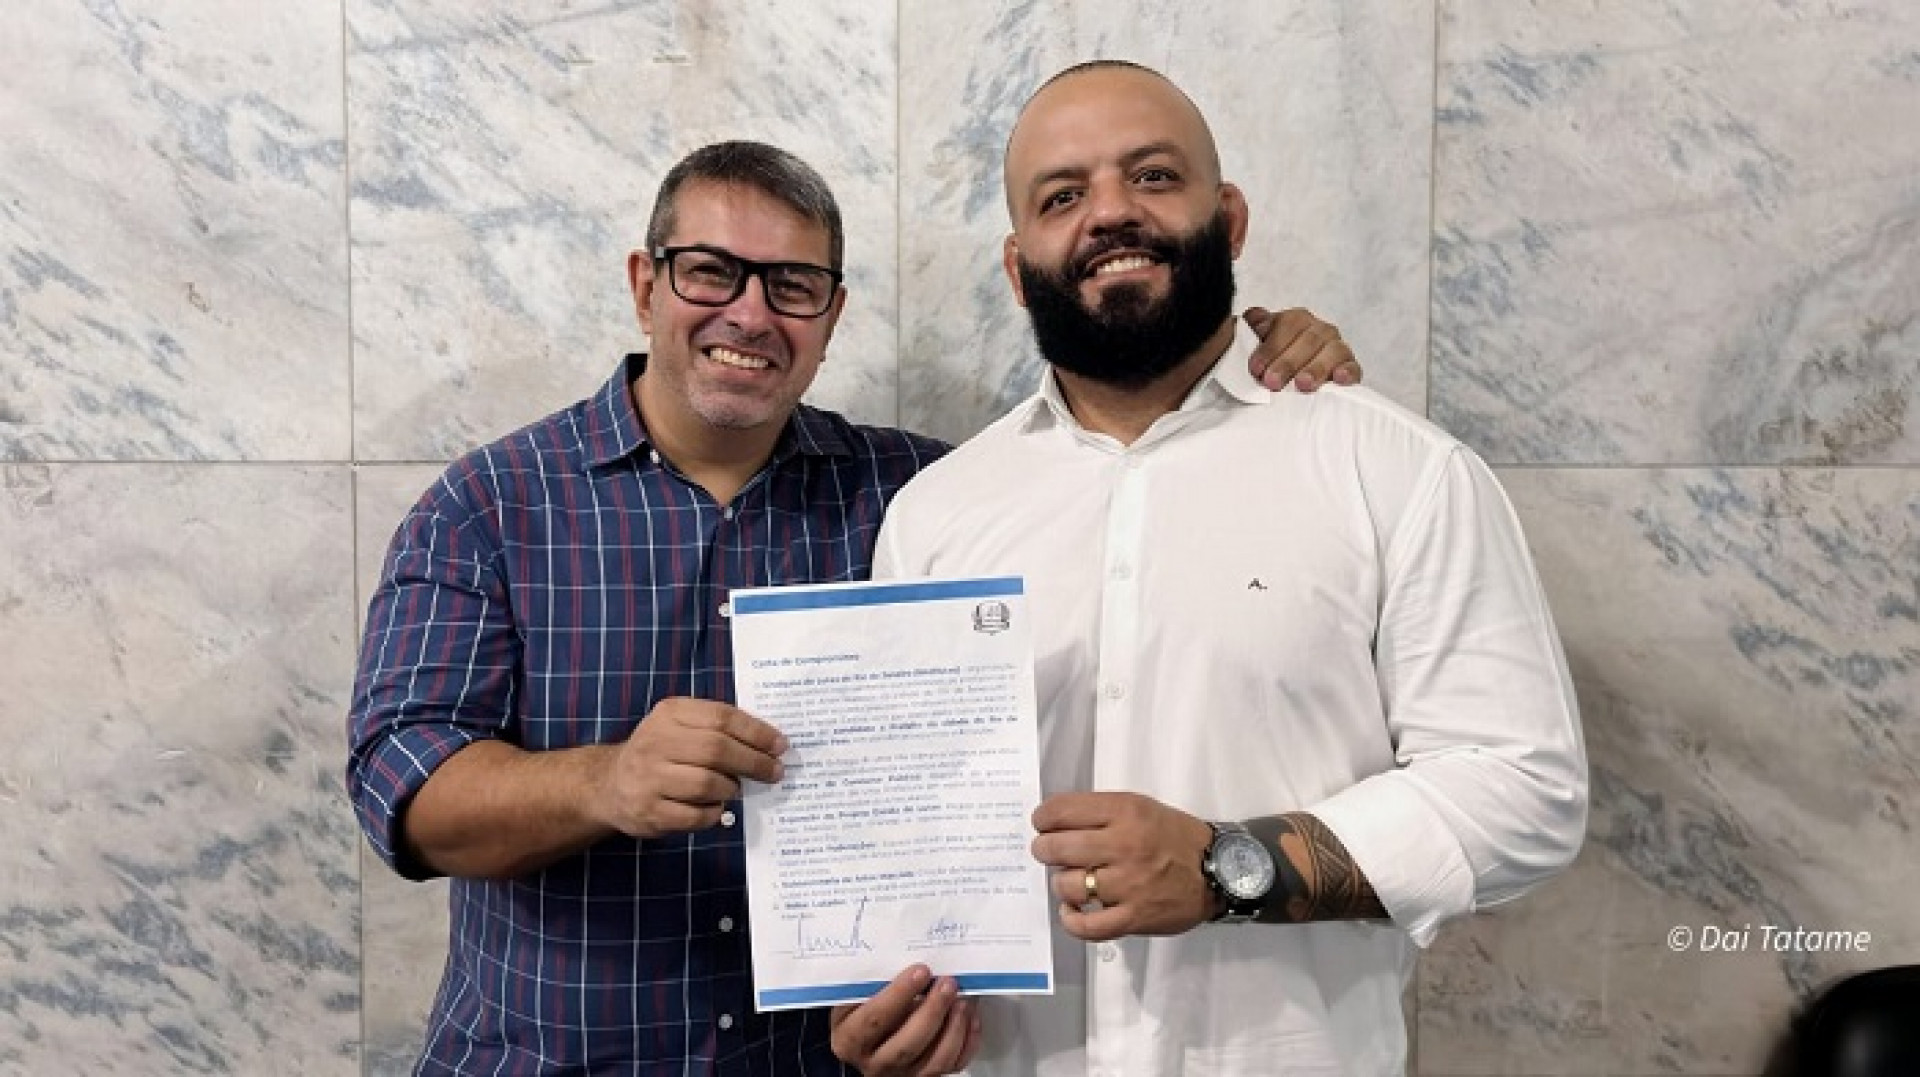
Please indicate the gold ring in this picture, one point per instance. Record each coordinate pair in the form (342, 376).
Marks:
(1092, 884)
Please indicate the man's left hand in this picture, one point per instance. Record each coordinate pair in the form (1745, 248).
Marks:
(917, 1026)
(1142, 857)
(1295, 345)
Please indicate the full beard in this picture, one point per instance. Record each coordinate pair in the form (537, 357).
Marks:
(1129, 340)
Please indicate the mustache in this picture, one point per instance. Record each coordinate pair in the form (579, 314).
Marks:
(1130, 237)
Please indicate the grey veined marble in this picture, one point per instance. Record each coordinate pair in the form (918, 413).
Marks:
(1746, 645)
(173, 279)
(504, 161)
(1679, 234)
(404, 944)
(180, 891)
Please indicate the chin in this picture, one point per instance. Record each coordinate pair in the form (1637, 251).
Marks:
(1131, 299)
(736, 415)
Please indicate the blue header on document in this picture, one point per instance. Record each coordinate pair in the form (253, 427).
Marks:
(1017, 983)
(832, 596)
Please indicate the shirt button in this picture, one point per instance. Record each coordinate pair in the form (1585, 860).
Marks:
(726, 1021)
(1114, 690)
(1109, 952)
(727, 513)
(727, 817)
(726, 609)
(726, 923)
(653, 456)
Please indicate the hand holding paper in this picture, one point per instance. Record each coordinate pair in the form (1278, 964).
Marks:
(916, 1026)
(1147, 858)
(683, 763)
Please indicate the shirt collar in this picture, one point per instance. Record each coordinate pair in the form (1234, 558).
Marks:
(1228, 380)
(614, 430)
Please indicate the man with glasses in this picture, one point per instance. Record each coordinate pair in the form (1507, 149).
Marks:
(711, 277)
(557, 585)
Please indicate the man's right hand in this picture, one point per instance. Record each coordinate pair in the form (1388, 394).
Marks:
(682, 764)
(916, 1026)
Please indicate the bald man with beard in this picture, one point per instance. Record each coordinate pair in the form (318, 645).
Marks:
(1248, 844)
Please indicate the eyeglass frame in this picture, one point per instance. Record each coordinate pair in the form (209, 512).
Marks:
(749, 268)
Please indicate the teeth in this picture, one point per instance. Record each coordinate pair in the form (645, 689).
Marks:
(729, 357)
(1121, 265)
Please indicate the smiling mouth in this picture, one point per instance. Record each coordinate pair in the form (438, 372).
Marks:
(728, 357)
(1124, 264)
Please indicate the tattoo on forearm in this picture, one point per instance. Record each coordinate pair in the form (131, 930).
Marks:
(1318, 878)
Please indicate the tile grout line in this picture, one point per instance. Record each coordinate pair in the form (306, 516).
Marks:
(899, 214)
(357, 466)
(1433, 223)
(1433, 200)
(353, 473)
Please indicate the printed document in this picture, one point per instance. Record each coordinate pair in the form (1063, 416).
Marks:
(900, 831)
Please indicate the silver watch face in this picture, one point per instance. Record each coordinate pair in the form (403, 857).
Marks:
(1243, 866)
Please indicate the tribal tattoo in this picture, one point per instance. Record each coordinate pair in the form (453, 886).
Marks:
(1318, 878)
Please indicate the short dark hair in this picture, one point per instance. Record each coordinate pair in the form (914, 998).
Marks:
(768, 169)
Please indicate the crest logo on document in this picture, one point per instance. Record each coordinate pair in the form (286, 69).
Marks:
(992, 617)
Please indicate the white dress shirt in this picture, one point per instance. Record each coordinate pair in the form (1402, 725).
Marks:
(1269, 602)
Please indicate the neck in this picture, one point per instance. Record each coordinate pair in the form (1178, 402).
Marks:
(1125, 413)
(719, 460)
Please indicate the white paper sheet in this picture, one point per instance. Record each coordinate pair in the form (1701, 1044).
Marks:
(901, 830)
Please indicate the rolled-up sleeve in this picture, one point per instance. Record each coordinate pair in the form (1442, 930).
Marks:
(1488, 797)
(437, 667)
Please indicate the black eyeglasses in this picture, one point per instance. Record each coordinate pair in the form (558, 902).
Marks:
(710, 277)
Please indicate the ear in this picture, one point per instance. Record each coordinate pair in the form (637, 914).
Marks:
(1234, 203)
(1010, 261)
(640, 280)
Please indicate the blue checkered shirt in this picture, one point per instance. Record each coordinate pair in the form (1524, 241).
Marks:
(547, 591)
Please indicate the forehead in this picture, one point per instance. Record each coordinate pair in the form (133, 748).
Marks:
(1097, 116)
(747, 221)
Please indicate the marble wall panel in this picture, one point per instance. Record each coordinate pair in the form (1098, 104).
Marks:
(1662, 234)
(172, 232)
(178, 889)
(404, 944)
(504, 160)
(1746, 645)
(1679, 234)
(1322, 110)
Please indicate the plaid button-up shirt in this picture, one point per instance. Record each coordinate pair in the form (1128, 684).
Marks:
(547, 591)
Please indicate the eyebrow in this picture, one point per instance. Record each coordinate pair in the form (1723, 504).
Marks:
(1127, 160)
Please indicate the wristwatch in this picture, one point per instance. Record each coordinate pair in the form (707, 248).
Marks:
(1239, 868)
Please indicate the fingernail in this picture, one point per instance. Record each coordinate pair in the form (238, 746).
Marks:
(1304, 383)
(781, 744)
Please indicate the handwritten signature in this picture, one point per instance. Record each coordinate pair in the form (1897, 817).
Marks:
(809, 943)
(948, 930)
